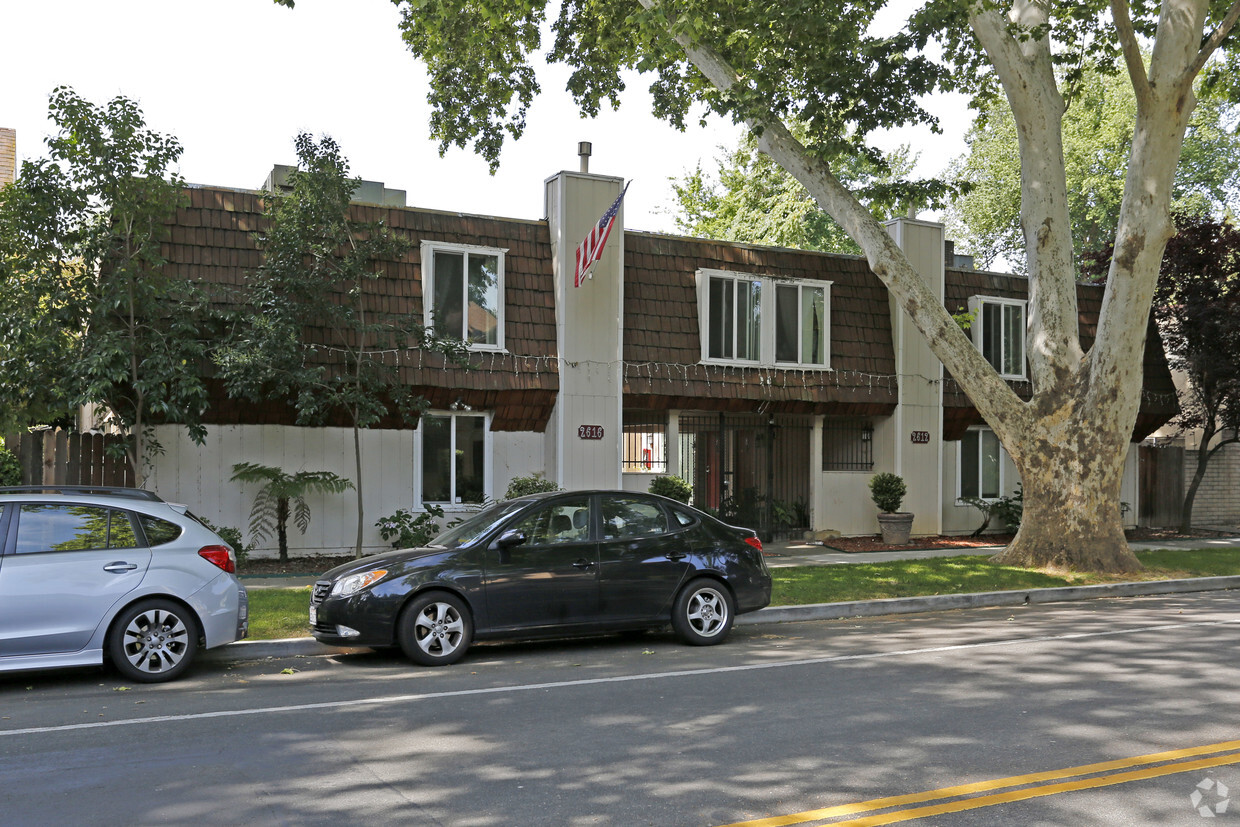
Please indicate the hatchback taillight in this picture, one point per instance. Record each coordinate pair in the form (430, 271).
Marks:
(219, 556)
(755, 542)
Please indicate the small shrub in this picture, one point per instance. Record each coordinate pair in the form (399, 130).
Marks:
(1010, 509)
(10, 468)
(887, 490)
(230, 535)
(533, 484)
(672, 487)
(407, 529)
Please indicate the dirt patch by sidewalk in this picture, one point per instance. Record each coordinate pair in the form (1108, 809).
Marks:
(294, 565)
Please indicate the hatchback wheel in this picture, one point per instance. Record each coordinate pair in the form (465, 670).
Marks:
(435, 629)
(153, 641)
(703, 613)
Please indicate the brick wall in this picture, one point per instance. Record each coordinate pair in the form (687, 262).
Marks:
(8, 155)
(1218, 497)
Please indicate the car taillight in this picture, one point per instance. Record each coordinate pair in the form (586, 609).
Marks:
(755, 542)
(219, 556)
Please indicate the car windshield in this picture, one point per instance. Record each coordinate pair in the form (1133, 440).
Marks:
(468, 532)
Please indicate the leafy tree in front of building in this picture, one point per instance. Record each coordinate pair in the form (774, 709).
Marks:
(315, 333)
(89, 314)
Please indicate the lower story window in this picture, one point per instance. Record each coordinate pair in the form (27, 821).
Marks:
(645, 442)
(981, 465)
(454, 458)
(847, 444)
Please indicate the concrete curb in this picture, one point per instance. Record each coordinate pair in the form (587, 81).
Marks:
(300, 646)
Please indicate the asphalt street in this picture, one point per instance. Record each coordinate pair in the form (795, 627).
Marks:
(1101, 712)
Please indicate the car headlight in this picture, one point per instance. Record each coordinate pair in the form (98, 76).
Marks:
(354, 583)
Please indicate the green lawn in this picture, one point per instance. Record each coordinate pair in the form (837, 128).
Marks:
(280, 613)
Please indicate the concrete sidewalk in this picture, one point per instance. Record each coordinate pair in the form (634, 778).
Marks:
(808, 554)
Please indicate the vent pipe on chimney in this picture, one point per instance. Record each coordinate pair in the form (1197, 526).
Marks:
(583, 151)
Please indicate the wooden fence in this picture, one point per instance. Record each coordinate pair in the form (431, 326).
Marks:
(60, 457)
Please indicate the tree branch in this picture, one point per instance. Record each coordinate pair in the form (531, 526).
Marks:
(992, 396)
(1214, 40)
(1132, 49)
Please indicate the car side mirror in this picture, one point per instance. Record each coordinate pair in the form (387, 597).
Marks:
(510, 538)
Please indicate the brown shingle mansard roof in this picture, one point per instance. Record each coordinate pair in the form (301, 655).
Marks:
(662, 341)
(212, 242)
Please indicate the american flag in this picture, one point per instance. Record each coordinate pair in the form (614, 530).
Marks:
(590, 250)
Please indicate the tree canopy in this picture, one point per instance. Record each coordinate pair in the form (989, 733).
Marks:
(755, 201)
(1097, 135)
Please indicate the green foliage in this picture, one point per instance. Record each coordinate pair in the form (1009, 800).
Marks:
(1097, 135)
(87, 312)
(407, 529)
(10, 468)
(279, 490)
(672, 487)
(755, 201)
(1008, 508)
(320, 265)
(533, 484)
(232, 536)
(887, 490)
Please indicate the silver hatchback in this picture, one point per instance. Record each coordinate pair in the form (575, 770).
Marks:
(95, 573)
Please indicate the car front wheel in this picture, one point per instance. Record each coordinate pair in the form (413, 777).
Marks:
(435, 629)
(703, 613)
(153, 641)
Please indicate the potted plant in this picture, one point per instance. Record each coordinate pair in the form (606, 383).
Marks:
(888, 490)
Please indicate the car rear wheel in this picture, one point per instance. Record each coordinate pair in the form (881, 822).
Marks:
(435, 629)
(153, 641)
(703, 613)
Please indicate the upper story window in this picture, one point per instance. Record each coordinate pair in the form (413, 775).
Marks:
(462, 292)
(801, 324)
(999, 332)
(734, 311)
(762, 320)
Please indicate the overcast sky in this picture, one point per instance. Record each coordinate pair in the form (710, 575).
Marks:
(236, 80)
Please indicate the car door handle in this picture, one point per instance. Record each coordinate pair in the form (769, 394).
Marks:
(120, 566)
(676, 556)
(583, 564)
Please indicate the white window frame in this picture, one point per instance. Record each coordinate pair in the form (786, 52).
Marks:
(1003, 480)
(978, 329)
(704, 279)
(767, 303)
(428, 250)
(488, 459)
(801, 286)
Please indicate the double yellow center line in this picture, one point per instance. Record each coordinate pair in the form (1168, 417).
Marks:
(1015, 788)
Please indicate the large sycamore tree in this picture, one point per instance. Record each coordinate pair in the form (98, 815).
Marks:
(817, 64)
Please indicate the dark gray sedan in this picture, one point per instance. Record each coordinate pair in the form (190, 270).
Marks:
(547, 565)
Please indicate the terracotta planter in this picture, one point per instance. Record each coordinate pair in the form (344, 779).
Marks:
(896, 527)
